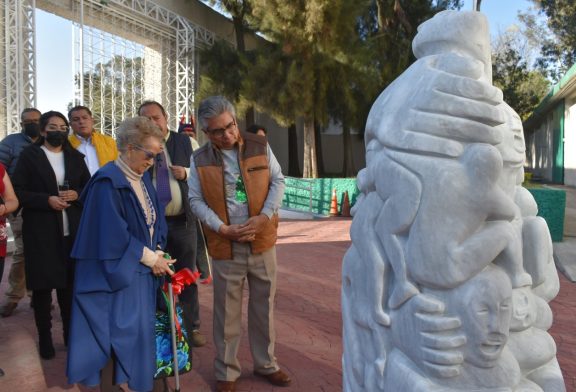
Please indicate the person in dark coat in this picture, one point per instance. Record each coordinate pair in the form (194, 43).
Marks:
(112, 336)
(169, 176)
(48, 179)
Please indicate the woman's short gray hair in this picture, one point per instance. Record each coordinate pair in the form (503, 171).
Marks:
(135, 130)
(212, 107)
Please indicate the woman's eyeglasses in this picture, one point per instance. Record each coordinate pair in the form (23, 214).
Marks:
(147, 154)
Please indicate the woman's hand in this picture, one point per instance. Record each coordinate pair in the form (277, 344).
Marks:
(68, 196)
(3, 209)
(56, 203)
(162, 266)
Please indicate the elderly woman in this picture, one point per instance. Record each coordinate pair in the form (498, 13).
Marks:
(112, 329)
(48, 178)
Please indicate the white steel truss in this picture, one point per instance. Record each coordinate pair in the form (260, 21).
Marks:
(174, 36)
(18, 82)
(148, 50)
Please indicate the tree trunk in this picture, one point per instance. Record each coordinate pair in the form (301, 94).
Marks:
(250, 116)
(319, 154)
(238, 22)
(310, 170)
(348, 161)
(293, 167)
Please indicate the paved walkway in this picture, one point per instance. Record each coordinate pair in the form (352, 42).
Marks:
(308, 324)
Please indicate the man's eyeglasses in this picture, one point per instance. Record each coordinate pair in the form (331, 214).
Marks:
(147, 154)
(219, 132)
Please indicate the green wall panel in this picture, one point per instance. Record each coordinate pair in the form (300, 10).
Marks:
(315, 194)
(551, 207)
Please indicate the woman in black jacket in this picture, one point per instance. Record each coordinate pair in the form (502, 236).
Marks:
(48, 180)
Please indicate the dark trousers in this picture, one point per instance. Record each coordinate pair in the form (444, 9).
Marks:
(42, 300)
(1, 268)
(181, 245)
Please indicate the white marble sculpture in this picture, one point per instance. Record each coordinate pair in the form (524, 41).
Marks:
(447, 282)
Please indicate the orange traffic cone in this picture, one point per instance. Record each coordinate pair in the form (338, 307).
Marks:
(334, 204)
(345, 209)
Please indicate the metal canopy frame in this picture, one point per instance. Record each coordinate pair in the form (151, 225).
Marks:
(18, 81)
(18, 84)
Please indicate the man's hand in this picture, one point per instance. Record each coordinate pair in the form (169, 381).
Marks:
(246, 232)
(178, 172)
(68, 196)
(257, 222)
(57, 203)
(238, 233)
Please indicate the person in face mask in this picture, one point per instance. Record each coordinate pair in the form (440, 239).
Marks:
(48, 180)
(10, 149)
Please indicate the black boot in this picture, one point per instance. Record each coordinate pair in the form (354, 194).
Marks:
(45, 345)
(43, 318)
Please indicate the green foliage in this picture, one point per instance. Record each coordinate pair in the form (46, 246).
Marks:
(522, 88)
(325, 60)
(107, 84)
(559, 49)
(222, 71)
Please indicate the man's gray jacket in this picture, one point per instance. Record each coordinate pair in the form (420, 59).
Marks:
(10, 148)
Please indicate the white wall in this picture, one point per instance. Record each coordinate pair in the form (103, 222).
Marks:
(570, 142)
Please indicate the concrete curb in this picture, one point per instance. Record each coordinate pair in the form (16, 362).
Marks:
(565, 257)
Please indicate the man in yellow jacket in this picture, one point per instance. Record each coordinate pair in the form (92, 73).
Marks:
(98, 149)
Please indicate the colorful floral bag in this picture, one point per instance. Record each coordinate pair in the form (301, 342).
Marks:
(164, 316)
(164, 357)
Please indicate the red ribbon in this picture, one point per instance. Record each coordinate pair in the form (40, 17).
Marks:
(179, 281)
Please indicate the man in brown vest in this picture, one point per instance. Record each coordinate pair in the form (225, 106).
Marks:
(235, 188)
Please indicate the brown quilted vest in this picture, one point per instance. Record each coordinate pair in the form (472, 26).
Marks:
(253, 162)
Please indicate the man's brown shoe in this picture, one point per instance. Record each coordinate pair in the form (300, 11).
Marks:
(8, 309)
(225, 386)
(278, 378)
(198, 340)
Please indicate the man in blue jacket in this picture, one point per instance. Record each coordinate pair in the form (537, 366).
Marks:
(10, 149)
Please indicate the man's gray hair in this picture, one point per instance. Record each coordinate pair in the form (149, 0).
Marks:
(135, 130)
(212, 107)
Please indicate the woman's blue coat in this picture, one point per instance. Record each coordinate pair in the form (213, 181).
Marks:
(114, 301)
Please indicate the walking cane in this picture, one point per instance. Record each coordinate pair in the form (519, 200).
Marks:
(172, 314)
(182, 278)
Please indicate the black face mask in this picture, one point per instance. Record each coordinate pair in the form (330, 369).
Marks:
(32, 130)
(56, 138)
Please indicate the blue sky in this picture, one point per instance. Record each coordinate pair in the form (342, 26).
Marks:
(55, 63)
(501, 13)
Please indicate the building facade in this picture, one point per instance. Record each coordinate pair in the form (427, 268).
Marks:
(550, 134)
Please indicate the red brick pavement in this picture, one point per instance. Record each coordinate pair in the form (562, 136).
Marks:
(308, 324)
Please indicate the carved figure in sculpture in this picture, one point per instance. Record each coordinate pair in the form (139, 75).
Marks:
(442, 215)
(448, 113)
(532, 346)
(484, 305)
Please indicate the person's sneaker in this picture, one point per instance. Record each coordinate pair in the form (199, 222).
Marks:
(197, 340)
(8, 309)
